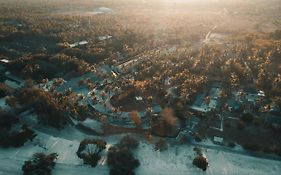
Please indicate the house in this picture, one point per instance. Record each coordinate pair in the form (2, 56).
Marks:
(168, 81)
(103, 10)
(252, 98)
(14, 78)
(232, 104)
(75, 84)
(91, 125)
(4, 61)
(12, 84)
(156, 109)
(261, 93)
(106, 37)
(138, 98)
(200, 104)
(218, 140)
(13, 81)
(81, 43)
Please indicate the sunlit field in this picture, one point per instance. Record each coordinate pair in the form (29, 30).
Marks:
(146, 87)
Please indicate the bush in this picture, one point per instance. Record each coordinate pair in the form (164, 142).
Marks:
(198, 151)
(231, 144)
(40, 164)
(161, 145)
(197, 137)
(201, 162)
(251, 147)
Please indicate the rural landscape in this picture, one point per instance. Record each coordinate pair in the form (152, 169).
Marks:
(140, 87)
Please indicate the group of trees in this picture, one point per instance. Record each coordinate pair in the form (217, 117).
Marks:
(120, 158)
(9, 136)
(40, 164)
(167, 125)
(51, 111)
(42, 66)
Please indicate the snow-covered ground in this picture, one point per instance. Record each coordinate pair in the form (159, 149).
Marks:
(12, 159)
(176, 160)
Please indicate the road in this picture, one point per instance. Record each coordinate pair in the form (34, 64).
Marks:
(240, 152)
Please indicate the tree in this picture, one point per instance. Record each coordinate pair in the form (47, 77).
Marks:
(169, 117)
(135, 117)
(89, 150)
(17, 139)
(121, 161)
(167, 125)
(4, 90)
(201, 162)
(40, 164)
(10, 135)
(128, 142)
(11, 101)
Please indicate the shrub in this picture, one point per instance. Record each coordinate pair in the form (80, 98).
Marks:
(251, 147)
(231, 144)
(197, 137)
(161, 145)
(201, 162)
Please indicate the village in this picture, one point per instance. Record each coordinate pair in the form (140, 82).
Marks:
(95, 93)
(176, 87)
